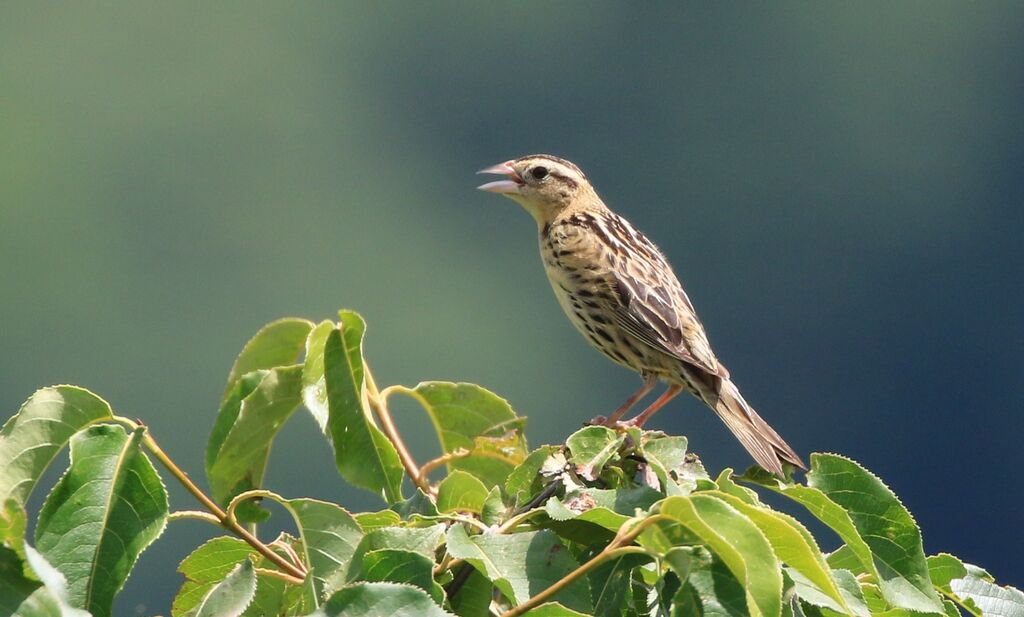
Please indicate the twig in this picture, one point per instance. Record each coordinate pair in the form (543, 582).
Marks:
(193, 514)
(379, 405)
(229, 523)
(615, 548)
(433, 464)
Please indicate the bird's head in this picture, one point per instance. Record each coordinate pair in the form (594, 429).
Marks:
(543, 184)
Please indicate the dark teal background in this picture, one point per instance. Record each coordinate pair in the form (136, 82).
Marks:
(839, 186)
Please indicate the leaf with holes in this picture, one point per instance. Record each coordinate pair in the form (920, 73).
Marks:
(106, 509)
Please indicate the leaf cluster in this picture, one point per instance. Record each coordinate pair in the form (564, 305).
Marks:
(612, 523)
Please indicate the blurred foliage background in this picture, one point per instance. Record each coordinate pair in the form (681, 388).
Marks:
(839, 187)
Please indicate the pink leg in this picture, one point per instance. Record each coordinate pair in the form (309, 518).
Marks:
(661, 401)
(649, 382)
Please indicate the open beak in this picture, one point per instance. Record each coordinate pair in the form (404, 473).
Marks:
(509, 186)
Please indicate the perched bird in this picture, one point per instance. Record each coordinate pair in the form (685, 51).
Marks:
(621, 294)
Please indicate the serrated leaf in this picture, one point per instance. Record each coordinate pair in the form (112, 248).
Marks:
(885, 525)
(253, 412)
(421, 540)
(467, 416)
(461, 492)
(991, 599)
(231, 596)
(398, 566)
(204, 568)
(737, 541)
(943, 568)
(609, 584)
(278, 343)
(792, 543)
(853, 600)
(521, 565)
(525, 480)
(380, 599)
(329, 536)
(592, 447)
(106, 509)
(33, 437)
(362, 454)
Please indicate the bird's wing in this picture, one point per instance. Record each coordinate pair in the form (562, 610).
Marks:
(654, 308)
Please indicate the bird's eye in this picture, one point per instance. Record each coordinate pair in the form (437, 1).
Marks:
(539, 172)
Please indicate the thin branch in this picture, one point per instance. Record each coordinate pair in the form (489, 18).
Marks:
(280, 575)
(195, 515)
(433, 464)
(227, 522)
(618, 546)
(379, 405)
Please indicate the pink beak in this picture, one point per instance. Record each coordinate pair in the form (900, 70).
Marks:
(507, 187)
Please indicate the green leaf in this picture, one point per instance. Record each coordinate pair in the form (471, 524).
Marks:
(253, 412)
(34, 436)
(461, 492)
(521, 565)
(474, 597)
(13, 522)
(809, 592)
(329, 536)
(278, 343)
(943, 568)
(419, 504)
(991, 599)
(792, 543)
(231, 596)
(592, 447)
(885, 525)
(525, 480)
(398, 566)
(736, 540)
(375, 520)
(380, 599)
(32, 588)
(363, 455)
(469, 417)
(711, 591)
(314, 386)
(494, 510)
(609, 584)
(665, 455)
(204, 568)
(106, 509)
(422, 540)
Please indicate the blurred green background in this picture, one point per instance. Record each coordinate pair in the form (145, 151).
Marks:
(839, 187)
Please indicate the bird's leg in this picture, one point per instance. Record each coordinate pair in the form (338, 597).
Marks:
(660, 402)
(649, 382)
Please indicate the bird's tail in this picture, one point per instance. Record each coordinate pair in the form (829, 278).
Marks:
(760, 440)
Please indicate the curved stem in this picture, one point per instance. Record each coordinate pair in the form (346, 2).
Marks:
(433, 464)
(225, 521)
(380, 408)
(181, 515)
(280, 575)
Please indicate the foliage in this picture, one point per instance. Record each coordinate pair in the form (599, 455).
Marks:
(612, 523)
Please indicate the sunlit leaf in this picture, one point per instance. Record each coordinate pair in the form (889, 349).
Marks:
(591, 447)
(472, 418)
(106, 509)
(363, 455)
(231, 596)
(278, 343)
(991, 599)
(885, 525)
(33, 437)
(380, 600)
(521, 565)
(399, 566)
(204, 568)
(461, 492)
(253, 412)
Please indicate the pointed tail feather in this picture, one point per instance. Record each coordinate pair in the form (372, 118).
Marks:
(760, 440)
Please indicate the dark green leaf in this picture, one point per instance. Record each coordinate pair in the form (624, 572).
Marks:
(474, 597)
(711, 591)
(106, 509)
(521, 565)
(525, 480)
(254, 411)
(231, 596)
(34, 436)
(609, 584)
(885, 525)
(363, 455)
(380, 600)
(461, 492)
(398, 566)
(469, 417)
(278, 343)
